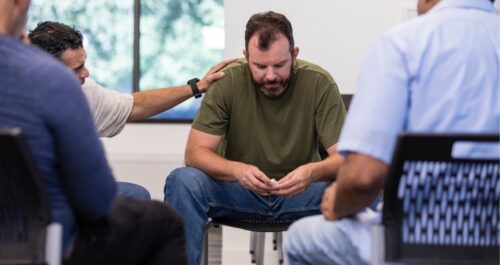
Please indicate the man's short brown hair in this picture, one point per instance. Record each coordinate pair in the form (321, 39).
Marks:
(268, 25)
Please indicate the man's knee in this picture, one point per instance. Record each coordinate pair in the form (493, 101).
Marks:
(133, 190)
(183, 179)
(319, 241)
(304, 235)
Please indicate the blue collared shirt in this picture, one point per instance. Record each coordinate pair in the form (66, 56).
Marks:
(437, 73)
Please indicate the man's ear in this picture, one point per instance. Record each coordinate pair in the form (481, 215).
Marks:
(295, 53)
(245, 53)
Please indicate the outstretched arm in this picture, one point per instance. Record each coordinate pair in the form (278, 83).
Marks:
(151, 102)
(201, 153)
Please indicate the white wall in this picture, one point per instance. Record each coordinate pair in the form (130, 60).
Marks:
(333, 34)
(146, 153)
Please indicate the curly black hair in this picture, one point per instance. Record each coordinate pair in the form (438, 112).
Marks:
(55, 37)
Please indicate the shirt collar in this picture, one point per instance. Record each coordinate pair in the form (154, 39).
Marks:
(484, 5)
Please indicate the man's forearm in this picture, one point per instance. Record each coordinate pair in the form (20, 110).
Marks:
(359, 182)
(349, 200)
(151, 102)
(327, 169)
(211, 163)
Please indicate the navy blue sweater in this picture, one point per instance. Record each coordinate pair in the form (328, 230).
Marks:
(43, 98)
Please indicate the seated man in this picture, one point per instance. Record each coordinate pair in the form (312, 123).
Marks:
(428, 75)
(260, 124)
(111, 110)
(98, 228)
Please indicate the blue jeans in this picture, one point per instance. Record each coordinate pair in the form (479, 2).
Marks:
(132, 190)
(317, 241)
(198, 197)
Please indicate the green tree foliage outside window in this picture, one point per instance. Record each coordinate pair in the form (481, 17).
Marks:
(179, 40)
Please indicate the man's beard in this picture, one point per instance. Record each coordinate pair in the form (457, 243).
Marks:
(282, 83)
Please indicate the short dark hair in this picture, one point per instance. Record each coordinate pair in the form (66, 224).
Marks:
(55, 37)
(268, 25)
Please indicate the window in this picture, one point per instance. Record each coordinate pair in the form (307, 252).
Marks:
(177, 40)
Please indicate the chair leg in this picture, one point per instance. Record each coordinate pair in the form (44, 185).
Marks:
(275, 235)
(253, 243)
(204, 249)
(259, 250)
(378, 245)
(279, 246)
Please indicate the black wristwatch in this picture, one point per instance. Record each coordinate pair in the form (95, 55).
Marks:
(194, 87)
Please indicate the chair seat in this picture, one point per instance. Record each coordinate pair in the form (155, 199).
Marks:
(255, 225)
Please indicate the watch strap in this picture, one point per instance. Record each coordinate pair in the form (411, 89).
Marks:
(194, 87)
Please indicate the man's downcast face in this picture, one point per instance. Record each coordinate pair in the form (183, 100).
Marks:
(271, 69)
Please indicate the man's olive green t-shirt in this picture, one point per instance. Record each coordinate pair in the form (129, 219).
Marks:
(275, 134)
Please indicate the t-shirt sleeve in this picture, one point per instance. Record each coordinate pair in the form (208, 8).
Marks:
(85, 173)
(378, 110)
(110, 108)
(330, 112)
(213, 115)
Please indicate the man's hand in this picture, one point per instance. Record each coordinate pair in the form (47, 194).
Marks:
(252, 178)
(327, 203)
(213, 74)
(295, 182)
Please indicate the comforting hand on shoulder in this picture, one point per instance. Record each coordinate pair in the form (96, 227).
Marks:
(213, 74)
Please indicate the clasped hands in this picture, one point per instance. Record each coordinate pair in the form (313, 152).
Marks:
(255, 180)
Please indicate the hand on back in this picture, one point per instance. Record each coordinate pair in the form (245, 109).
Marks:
(213, 74)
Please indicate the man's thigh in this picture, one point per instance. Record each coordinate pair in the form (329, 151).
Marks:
(230, 199)
(315, 240)
(250, 205)
(301, 205)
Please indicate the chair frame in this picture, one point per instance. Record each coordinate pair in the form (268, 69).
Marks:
(26, 235)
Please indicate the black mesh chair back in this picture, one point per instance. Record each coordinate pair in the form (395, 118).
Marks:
(439, 208)
(24, 211)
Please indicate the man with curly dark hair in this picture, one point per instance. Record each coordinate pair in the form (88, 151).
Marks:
(42, 98)
(111, 109)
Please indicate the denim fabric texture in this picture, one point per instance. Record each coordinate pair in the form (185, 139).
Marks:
(132, 190)
(197, 197)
